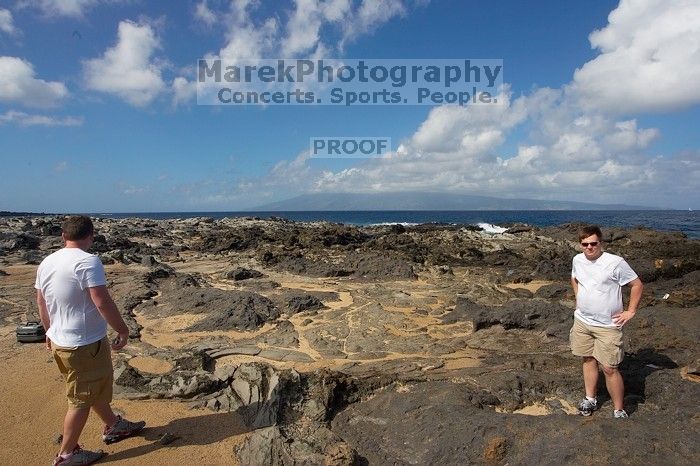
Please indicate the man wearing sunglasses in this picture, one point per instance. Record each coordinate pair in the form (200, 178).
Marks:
(597, 278)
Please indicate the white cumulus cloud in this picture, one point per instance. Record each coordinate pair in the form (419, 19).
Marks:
(6, 24)
(370, 15)
(128, 70)
(71, 8)
(649, 59)
(26, 119)
(568, 154)
(183, 90)
(303, 29)
(311, 29)
(18, 83)
(471, 129)
(204, 14)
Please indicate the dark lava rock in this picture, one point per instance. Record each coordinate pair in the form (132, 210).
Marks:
(229, 240)
(51, 229)
(505, 257)
(650, 270)
(553, 262)
(175, 284)
(555, 291)
(127, 376)
(149, 261)
(262, 285)
(435, 423)
(227, 310)
(159, 272)
(299, 264)
(284, 335)
(270, 446)
(22, 242)
(342, 235)
(520, 292)
(681, 292)
(105, 259)
(672, 331)
(105, 244)
(466, 310)
(33, 257)
(187, 281)
(240, 273)
(518, 313)
(307, 403)
(197, 360)
(381, 267)
(519, 229)
(184, 384)
(304, 302)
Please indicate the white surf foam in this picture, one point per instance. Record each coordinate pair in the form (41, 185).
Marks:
(382, 224)
(490, 228)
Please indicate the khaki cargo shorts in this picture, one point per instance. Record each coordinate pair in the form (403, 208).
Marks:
(603, 343)
(87, 371)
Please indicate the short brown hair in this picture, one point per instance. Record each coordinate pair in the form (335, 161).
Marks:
(590, 230)
(77, 227)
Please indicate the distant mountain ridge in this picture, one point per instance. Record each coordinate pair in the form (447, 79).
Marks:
(426, 201)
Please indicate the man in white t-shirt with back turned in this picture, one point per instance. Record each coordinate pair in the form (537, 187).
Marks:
(597, 278)
(75, 308)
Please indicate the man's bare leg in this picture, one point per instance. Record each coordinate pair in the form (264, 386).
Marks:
(616, 386)
(73, 425)
(590, 376)
(104, 411)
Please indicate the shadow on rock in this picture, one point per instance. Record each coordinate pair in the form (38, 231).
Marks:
(206, 429)
(635, 369)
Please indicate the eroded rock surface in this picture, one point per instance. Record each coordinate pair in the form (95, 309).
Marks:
(428, 344)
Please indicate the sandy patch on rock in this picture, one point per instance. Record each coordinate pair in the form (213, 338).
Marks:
(687, 376)
(542, 409)
(171, 331)
(463, 359)
(532, 286)
(151, 365)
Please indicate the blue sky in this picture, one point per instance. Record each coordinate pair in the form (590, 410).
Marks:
(98, 110)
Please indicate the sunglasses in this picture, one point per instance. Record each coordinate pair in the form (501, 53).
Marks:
(592, 244)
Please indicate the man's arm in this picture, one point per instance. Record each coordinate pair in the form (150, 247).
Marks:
(574, 285)
(100, 296)
(44, 314)
(635, 296)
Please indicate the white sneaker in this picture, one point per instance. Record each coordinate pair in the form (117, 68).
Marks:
(586, 407)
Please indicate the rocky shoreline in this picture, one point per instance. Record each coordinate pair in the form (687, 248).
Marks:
(432, 344)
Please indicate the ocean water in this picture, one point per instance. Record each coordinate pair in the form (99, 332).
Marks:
(687, 222)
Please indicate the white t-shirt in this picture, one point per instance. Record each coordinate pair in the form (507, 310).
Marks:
(64, 278)
(600, 282)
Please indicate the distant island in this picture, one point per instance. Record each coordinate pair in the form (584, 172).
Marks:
(425, 201)
(7, 213)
